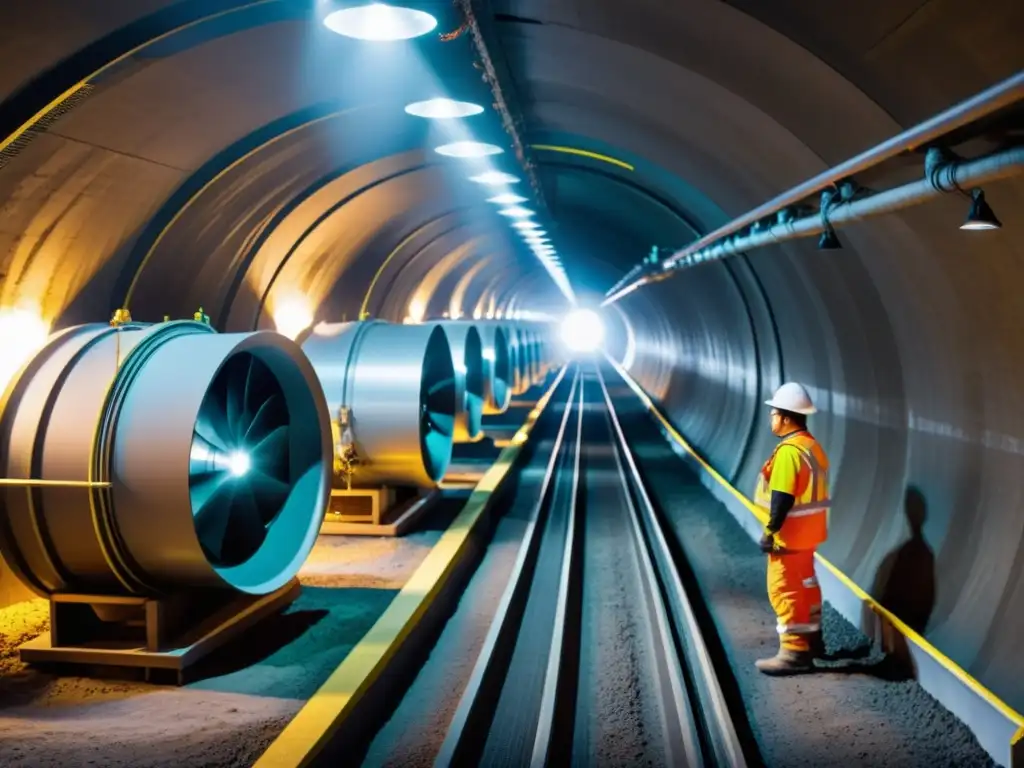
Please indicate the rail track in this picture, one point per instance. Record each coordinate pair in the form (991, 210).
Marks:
(594, 655)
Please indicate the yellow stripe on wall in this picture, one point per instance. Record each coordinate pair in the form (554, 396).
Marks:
(583, 153)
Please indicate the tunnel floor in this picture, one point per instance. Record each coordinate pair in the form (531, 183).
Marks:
(856, 710)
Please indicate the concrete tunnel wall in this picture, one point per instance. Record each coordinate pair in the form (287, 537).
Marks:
(205, 162)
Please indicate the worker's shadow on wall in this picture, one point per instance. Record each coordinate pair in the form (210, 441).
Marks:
(905, 582)
(905, 585)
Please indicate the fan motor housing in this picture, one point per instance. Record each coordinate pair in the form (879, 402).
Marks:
(121, 405)
(399, 382)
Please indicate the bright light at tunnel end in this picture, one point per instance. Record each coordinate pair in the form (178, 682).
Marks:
(582, 331)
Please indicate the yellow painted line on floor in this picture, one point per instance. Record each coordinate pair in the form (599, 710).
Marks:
(951, 666)
(311, 729)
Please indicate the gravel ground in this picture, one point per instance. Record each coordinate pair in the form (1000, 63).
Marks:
(244, 694)
(618, 719)
(857, 711)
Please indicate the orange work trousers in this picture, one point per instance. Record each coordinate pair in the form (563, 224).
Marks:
(796, 597)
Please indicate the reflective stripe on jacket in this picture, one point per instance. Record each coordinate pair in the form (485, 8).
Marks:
(806, 525)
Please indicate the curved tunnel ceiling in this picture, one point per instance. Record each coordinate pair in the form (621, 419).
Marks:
(250, 149)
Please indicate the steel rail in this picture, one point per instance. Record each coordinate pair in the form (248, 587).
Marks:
(557, 677)
(476, 705)
(723, 738)
(697, 727)
(683, 742)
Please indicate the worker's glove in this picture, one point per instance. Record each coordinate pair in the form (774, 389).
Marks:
(767, 542)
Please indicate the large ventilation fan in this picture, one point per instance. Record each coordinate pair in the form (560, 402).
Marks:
(239, 469)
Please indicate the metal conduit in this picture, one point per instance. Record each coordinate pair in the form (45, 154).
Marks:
(943, 179)
(981, 105)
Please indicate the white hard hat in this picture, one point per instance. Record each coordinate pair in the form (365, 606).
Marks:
(792, 397)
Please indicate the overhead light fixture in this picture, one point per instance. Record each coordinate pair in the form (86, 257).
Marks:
(506, 199)
(380, 23)
(535, 239)
(516, 212)
(443, 109)
(494, 178)
(468, 149)
(829, 241)
(981, 215)
(526, 225)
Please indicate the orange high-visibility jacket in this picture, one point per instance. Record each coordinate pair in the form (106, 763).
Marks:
(806, 525)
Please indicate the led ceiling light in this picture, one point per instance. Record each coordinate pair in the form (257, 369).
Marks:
(443, 109)
(829, 241)
(516, 212)
(981, 215)
(494, 178)
(468, 149)
(526, 225)
(507, 199)
(380, 23)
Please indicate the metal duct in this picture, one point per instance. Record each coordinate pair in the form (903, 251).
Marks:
(468, 360)
(497, 368)
(536, 366)
(208, 455)
(521, 356)
(397, 385)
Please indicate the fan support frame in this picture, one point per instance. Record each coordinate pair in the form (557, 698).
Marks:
(179, 629)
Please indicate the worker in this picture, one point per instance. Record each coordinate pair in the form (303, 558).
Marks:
(792, 488)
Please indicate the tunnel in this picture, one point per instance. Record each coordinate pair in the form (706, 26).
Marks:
(254, 165)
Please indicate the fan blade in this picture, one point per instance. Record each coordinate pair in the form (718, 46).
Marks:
(440, 386)
(211, 427)
(245, 531)
(266, 418)
(270, 455)
(211, 500)
(233, 410)
(442, 423)
(247, 392)
(271, 493)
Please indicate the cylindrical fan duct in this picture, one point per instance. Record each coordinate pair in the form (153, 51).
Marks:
(497, 368)
(468, 360)
(536, 375)
(521, 355)
(217, 448)
(397, 385)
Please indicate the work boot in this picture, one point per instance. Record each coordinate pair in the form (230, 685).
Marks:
(817, 645)
(786, 663)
